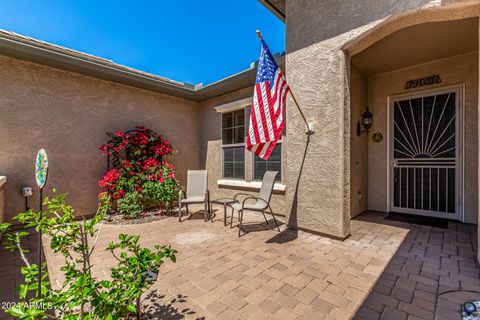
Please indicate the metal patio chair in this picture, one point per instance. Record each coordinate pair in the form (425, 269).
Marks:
(197, 192)
(260, 204)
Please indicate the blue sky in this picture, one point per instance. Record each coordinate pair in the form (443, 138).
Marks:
(190, 41)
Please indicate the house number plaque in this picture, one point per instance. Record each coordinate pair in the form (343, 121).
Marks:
(411, 84)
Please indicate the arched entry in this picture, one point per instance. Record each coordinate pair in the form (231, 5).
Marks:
(413, 48)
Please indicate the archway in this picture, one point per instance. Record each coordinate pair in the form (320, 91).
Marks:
(416, 55)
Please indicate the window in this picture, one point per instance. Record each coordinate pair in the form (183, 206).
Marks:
(233, 144)
(273, 163)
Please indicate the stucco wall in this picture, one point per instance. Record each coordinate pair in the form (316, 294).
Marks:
(316, 70)
(358, 144)
(211, 130)
(68, 115)
(455, 70)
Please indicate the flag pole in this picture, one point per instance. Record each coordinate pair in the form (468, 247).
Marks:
(310, 128)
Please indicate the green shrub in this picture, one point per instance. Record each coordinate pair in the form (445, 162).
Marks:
(161, 192)
(81, 295)
(152, 193)
(130, 205)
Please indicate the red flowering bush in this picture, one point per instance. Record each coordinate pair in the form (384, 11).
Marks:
(141, 179)
(136, 145)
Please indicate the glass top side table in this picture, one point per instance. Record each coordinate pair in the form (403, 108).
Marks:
(225, 202)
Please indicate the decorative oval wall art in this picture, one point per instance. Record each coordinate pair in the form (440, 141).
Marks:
(41, 168)
(377, 137)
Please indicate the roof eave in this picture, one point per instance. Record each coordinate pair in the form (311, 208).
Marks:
(278, 11)
(28, 49)
(54, 58)
(243, 79)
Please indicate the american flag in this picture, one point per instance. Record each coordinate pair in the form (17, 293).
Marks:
(267, 116)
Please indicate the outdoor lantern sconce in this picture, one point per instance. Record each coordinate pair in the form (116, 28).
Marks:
(367, 121)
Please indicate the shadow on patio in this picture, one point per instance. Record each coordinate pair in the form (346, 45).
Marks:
(385, 270)
(430, 275)
(10, 275)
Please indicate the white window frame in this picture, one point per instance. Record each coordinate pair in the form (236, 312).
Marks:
(238, 182)
(235, 105)
(250, 185)
(233, 145)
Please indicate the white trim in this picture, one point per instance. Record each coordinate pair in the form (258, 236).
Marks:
(3, 180)
(460, 156)
(235, 105)
(255, 185)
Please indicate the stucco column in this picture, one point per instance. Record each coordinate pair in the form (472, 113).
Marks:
(318, 192)
(317, 70)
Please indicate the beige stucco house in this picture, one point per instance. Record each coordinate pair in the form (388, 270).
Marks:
(414, 63)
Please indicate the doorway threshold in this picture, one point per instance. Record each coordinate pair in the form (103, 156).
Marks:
(420, 220)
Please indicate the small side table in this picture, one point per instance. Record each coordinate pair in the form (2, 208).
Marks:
(225, 202)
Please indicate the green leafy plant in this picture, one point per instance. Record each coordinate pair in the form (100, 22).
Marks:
(130, 205)
(161, 192)
(81, 295)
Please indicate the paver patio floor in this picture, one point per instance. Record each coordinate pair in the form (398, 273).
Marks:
(386, 269)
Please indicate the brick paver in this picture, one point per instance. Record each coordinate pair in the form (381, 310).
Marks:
(385, 270)
(421, 279)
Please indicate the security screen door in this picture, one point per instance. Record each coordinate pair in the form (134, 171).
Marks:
(426, 154)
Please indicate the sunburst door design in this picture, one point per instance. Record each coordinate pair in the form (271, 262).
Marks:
(425, 146)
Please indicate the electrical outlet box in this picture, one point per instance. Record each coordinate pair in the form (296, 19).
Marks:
(27, 191)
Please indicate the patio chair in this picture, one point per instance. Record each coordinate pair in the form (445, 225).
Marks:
(196, 192)
(258, 204)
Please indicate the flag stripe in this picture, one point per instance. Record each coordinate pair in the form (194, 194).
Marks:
(266, 113)
(258, 114)
(254, 125)
(268, 106)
